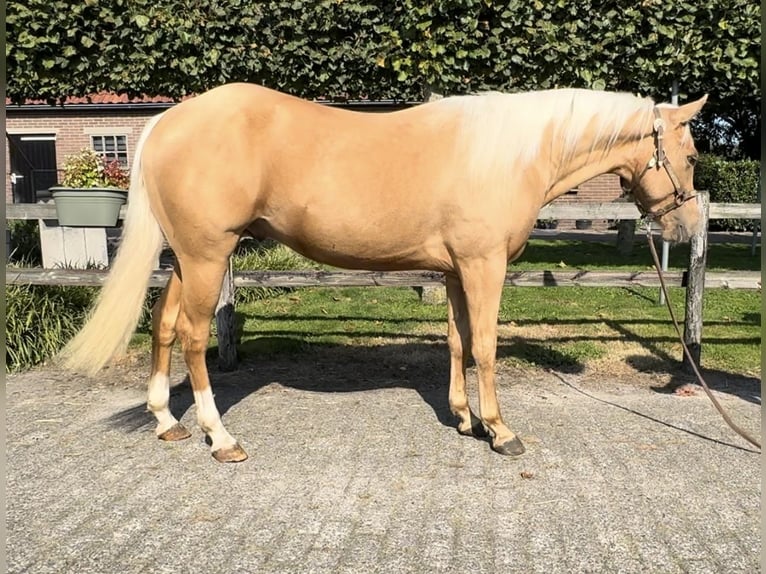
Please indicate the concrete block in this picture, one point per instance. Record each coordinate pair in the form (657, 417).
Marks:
(72, 247)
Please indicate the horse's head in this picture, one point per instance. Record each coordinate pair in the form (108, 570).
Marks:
(663, 184)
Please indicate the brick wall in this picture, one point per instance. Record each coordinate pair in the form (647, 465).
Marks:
(602, 188)
(73, 130)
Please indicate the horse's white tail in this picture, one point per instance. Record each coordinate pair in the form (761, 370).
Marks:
(118, 309)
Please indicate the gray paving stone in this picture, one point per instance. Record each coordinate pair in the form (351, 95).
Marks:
(618, 479)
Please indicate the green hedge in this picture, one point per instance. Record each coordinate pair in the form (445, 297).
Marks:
(383, 49)
(728, 181)
(338, 49)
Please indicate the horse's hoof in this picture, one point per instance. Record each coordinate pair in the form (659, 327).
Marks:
(511, 448)
(476, 430)
(230, 454)
(176, 432)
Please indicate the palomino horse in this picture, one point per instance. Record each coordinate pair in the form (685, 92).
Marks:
(453, 186)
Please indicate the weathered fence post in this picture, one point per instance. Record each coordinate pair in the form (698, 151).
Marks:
(224, 321)
(626, 236)
(664, 266)
(696, 284)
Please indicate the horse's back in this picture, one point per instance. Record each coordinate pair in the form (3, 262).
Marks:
(368, 190)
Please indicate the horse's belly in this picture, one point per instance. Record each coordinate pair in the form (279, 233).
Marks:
(361, 246)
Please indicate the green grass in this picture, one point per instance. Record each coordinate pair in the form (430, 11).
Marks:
(564, 327)
(336, 316)
(628, 326)
(605, 329)
(542, 254)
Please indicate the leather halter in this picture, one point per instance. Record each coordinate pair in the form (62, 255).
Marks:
(660, 160)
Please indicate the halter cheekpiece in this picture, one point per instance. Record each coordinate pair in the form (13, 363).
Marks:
(660, 160)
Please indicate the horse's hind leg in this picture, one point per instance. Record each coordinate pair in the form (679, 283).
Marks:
(201, 289)
(459, 340)
(483, 284)
(164, 316)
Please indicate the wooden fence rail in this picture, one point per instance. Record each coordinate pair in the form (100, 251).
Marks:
(343, 278)
(557, 210)
(695, 279)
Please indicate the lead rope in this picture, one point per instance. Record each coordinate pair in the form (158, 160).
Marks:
(749, 438)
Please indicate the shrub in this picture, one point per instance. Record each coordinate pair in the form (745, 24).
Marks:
(145, 322)
(728, 181)
(86, 169)
(40, 319)
(25, 242)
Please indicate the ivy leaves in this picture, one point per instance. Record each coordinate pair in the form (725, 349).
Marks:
(382, 50)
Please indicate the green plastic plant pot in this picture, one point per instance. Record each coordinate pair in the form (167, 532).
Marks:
(90, 207)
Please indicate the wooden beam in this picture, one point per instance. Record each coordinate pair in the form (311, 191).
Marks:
(561, 210)
(735, 211)
(30, 211)
(589, 211)
(38, 211)
(337, 278)
(558, 278)
(70, 277)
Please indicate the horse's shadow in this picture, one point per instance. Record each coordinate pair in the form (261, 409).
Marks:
(742, 386)
(420, 366)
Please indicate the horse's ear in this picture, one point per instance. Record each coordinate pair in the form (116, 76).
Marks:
(684, 114)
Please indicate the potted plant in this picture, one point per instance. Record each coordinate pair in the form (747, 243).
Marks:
(92, 191)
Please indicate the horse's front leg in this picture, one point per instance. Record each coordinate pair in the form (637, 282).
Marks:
(483, 285)
(459, 340)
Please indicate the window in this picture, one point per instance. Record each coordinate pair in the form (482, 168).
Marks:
(112, 147)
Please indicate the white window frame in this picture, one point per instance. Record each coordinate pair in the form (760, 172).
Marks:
(120, 155)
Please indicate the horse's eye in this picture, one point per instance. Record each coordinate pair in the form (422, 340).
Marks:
(692, 159)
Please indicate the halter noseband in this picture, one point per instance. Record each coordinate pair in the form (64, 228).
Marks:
(659, 159)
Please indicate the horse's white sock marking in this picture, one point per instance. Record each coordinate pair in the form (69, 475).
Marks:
(210, 421)
(158, 400)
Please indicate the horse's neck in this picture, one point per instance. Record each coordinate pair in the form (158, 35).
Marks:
(583, 165)
(586, 161)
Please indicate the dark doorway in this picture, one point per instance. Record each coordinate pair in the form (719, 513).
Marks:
(33, 165)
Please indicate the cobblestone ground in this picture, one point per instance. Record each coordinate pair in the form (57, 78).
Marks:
(355, 466)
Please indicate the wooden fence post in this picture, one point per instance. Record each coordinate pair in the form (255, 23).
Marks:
(696, 284)
(224, 320)
(626, 236)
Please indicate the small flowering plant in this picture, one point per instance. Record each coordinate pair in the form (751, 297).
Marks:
(86, 169)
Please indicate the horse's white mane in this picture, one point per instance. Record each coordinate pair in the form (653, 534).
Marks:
(506, 131)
